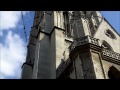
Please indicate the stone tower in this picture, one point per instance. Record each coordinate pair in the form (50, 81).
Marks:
(72, 45)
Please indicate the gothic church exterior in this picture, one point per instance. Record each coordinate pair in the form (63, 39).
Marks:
(72, 45)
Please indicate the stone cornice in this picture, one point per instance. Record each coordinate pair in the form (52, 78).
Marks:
(110, 56)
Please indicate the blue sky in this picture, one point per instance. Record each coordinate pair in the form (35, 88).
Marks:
(113, 17)
(13, 46)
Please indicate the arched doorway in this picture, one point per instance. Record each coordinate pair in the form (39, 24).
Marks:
(113, 73)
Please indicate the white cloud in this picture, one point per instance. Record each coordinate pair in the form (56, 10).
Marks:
(12, 55)
(10, 19)
(13, 51)
(1, 33)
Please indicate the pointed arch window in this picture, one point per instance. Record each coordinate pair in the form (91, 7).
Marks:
(66, 22)
(113, 73)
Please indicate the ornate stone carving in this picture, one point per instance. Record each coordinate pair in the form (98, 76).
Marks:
(111, 54)
(86, 40)
(83, 41)
(93, 40)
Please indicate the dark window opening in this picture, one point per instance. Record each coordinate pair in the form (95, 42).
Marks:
(66, 22)
(110, 34)
(113, 73)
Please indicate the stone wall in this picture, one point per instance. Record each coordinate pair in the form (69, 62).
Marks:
(97, 63)
(100, 34)
(49, 46)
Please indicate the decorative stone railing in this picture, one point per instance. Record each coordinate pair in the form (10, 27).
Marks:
(85, 40)
(113, 56)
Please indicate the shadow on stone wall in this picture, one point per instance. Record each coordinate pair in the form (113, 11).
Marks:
(113, 73)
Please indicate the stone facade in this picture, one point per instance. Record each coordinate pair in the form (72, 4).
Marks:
(71, 45)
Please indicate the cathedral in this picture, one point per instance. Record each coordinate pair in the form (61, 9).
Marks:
(72, 45)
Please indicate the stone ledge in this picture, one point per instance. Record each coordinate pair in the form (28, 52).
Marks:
(27, 63)
(69, 39)
(110, 56)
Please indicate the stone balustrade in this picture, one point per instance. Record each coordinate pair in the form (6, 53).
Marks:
(111, 54)
(86, 40)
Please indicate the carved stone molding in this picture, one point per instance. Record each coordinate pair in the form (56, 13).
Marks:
(111, 56)
(85, 40)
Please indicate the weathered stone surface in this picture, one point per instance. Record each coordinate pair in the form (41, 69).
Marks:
(98, 68)
(32, 40)
(34, 32)
(44, 60)
(107, 65)
(51, 46)
(27, 72)
(79, 71)
(59, 39)
(49, 22)
(35, 68)
(31, 52)
(87, 66)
